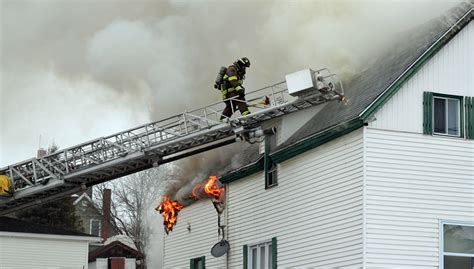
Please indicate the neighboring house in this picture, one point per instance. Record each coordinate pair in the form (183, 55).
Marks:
(386, 181)
(91, 217)
(118, 252)
(32, 246)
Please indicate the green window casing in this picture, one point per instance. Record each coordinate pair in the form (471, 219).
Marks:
(274, 253)
(245, 253)
(193, 262)
(466, 114)
(469, 110)
(428, 113)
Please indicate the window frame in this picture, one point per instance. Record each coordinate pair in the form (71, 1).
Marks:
(441, 240)
(100, 226)
(460, 112)
(193, 261)
(257, 245)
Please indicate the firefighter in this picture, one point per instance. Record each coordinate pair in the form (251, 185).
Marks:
(232, 87)
(5, 186)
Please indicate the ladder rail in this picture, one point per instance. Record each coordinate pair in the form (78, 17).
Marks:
(155, 140)
(55, 165)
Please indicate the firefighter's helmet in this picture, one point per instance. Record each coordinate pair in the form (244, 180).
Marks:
(244, 62)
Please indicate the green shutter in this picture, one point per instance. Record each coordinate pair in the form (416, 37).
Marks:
(274, 253)
(192, 262)
(469, 104)
(245, 257)
(428, 113)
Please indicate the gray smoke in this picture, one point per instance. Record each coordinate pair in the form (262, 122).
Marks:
(76, 70)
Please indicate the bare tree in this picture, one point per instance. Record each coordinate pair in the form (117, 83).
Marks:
(131, 197)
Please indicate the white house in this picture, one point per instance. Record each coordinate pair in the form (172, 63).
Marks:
(25, 245)
(386, 181)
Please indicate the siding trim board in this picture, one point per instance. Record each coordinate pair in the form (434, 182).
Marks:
(415, 66)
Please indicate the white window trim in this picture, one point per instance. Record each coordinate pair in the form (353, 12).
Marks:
(446, 115)
(257, 244)
(441, 240)
(100, 226)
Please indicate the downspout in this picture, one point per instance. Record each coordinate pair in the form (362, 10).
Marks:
(227, 223)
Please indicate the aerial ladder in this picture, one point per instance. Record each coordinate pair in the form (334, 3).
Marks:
(39, 180)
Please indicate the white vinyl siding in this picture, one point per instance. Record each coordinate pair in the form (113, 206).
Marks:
(449, 72)
(181, 245)
(35, 253)
(315, 211)
(413, 182)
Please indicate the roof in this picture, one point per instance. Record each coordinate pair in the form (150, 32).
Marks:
(12, 225)
(370, 89)
(115, 249)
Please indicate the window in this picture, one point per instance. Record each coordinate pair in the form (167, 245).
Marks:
(457, 245)
(271, 169)
(198, 263)
(261, 255)
(95, 227)
(444, 115)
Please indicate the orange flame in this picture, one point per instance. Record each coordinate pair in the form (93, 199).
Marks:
(194, 193)
(169, 209)
(212, 189)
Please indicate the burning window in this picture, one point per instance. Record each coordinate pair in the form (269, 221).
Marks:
(212, 189)
(169, 209)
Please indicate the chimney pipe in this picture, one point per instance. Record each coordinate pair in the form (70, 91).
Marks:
(40, 153)
(106, 214)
